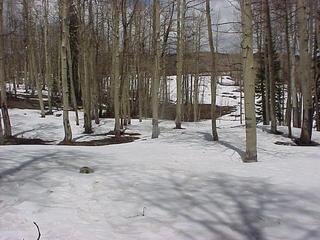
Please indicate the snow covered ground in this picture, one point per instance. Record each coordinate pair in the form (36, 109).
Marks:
(180, 186)
(227, 93)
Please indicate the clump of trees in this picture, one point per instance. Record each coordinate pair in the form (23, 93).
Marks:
(113, 59)
(288, 79)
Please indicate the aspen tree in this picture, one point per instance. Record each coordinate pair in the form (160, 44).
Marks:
(137, 55)
(166, 32)
(3, 100)
(156, 65)
(213, 75)
(32, 58)
(180, 55)
(304, 70)
(124, 67)
(249, 81)
(48, 78)
(317, 71)
(1, 131)
(292, 38)
(86, 75)
(196, 77)
(270, 64)
(64, 71)
(115, 64)
(71, 78)
(94, 62)
(289, 98)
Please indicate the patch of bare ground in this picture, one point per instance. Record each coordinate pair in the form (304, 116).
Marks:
(25, 141)
(103, 142)
(96, 142)
(122, 133)
(25, 101)
(297, 142)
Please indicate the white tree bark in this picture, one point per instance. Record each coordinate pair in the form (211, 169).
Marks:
(64, 71)
(48, 78)
(305, 72)
(115, 64)
(1, 131)
(3, 100)
(180, 54)
(271, 75)
(213, 75)
(156, 74)
(249, 81)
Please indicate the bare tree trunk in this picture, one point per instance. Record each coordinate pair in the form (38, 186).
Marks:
(87, 93)
(295, 107)
(166, 30)
(86, 87)
(1, 128)
(267, 83)
(48, 78)
(115, 64)
(270, 66)
(72, 58)
(31, 78)
(31, 42)
(289, 98)
(156, 74)
(95, 63)
(64, 71)
(140, 94)
(71, 78)
(35, 75)
(262, 62)
(305, 62)
(138, 51)
(196, 79)
(213, 75)
(180, 53)
(3, 100)
(317, 70)
(249, 82)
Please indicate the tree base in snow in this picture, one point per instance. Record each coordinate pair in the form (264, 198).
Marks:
(252, 159)
(49, 113)
(298, 142)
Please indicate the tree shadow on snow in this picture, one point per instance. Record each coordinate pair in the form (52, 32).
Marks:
(208, 137)
(227, 207)
(31, 163)
(241, 153)
(190, 206)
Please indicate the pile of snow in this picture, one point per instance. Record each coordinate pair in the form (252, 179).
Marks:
(180, 186)
(226, 80)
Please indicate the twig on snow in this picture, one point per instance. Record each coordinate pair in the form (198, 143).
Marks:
(39, 234)
(139, 214)
(143, 211)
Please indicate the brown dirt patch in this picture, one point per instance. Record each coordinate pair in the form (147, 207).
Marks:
(297, 143)
(103, 142)
(25, 141)
(98, 142)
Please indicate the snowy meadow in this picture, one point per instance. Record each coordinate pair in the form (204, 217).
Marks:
(180, 186)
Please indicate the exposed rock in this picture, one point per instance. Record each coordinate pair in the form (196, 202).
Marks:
(86, 170)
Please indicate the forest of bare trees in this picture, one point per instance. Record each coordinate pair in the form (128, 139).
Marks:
(112, 58)
(160, 119)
